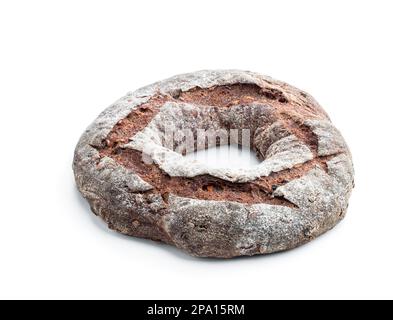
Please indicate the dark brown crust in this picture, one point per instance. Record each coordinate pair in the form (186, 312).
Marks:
(207, 187)
(230, 95)
(135, 122)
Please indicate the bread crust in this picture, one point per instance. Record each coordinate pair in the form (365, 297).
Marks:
(300, 190)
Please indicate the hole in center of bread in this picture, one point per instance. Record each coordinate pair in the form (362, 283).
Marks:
(226, 156)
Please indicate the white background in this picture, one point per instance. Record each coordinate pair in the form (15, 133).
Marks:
(63, 62)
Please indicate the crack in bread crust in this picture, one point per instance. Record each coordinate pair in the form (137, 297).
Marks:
(205, 186)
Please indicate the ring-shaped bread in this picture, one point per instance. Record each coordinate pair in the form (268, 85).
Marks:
(143, 187)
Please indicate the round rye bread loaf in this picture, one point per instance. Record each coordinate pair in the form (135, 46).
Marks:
(130, 165)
